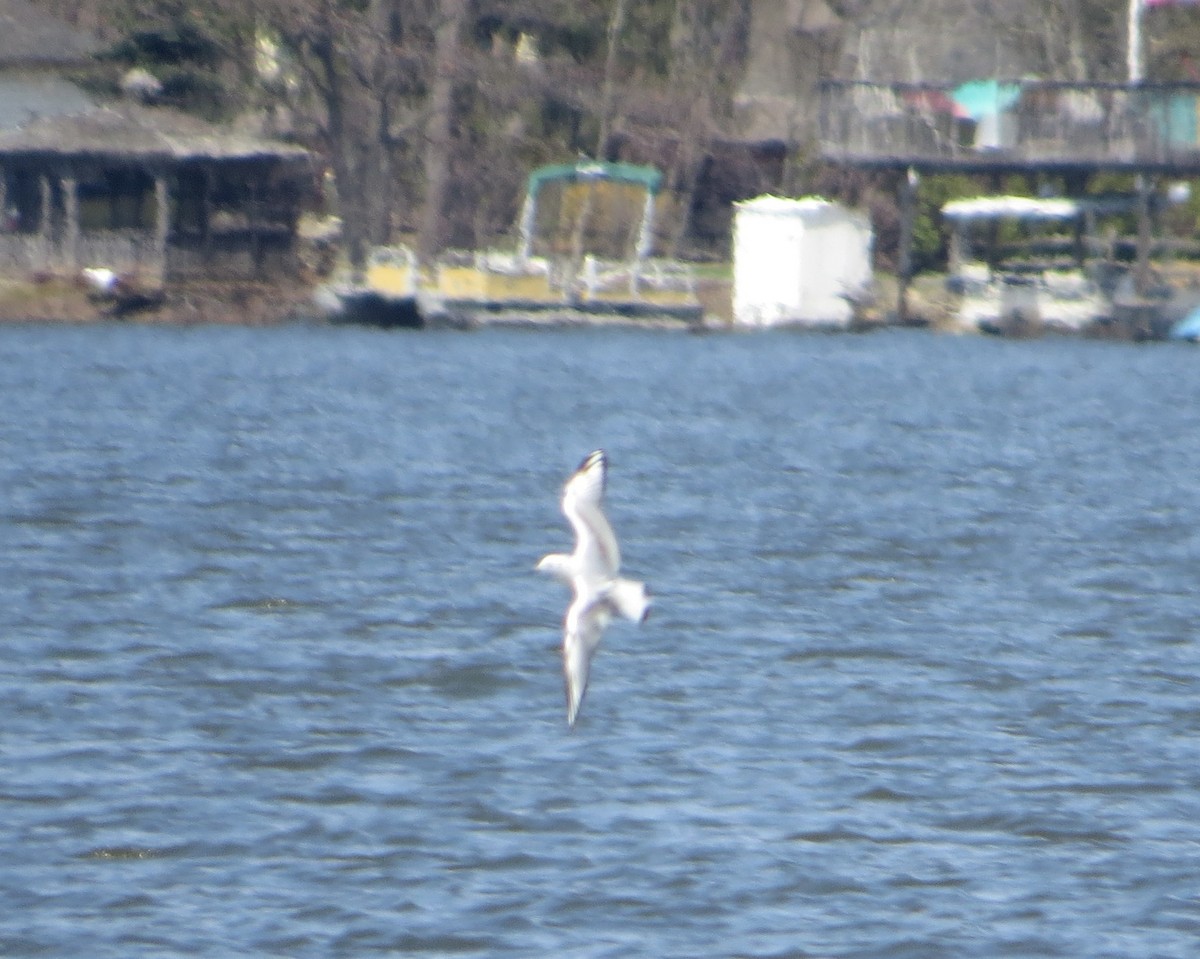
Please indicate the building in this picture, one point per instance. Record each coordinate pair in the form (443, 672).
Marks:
(805, 262)
(135, 189)
(149, 191)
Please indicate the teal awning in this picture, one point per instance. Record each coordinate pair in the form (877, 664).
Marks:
(585, 170)
(985, 98)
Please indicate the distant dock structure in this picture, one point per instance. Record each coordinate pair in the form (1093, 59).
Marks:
(995, 128)
(1006, 126)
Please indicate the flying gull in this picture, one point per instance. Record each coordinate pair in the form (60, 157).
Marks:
(591, 571)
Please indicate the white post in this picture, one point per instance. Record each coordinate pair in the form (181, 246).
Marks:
(71, 214)
(1134, 51)
(645, 241)
(528, 224)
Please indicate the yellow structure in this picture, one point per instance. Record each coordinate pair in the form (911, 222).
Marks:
(559, 278)
(392, 272)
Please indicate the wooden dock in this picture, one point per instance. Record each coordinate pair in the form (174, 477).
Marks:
(1041, 129)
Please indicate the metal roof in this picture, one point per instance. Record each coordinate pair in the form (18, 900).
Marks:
(131, 131)
(25, 98)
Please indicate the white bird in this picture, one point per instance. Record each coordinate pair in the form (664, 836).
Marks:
(100, 278)
(592, 573)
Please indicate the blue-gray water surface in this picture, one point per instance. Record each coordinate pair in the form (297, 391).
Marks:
(277, 677)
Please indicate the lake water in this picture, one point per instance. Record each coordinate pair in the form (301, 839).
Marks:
(277, 677)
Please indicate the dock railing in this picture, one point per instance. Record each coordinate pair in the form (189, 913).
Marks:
(1003, 124)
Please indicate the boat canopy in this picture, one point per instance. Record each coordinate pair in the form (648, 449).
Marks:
(648, 177)
(1031, 208)
(587, 171)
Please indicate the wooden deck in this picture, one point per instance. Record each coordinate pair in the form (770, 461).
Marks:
(999, 127)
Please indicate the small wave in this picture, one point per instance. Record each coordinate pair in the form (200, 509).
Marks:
(261, 604)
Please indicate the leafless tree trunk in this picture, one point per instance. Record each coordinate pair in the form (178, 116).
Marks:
(700, 60)
(439, 129)
(616, 24)
(329, 79)
(317, 33)
(379, 179)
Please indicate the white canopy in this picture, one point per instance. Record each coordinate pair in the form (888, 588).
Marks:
(1012, 207)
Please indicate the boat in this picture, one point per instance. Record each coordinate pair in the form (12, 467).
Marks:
(551, 277)
(385, 295)
(1029, 296)
(1028, 302)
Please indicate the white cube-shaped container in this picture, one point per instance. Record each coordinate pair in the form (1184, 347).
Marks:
(805, 261)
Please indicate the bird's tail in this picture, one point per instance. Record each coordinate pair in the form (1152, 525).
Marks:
(630, 599)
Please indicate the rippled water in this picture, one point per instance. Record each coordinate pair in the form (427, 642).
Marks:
(277, 678)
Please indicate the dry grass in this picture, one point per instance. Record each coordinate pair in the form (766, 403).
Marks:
(50, 299)
(65, 300)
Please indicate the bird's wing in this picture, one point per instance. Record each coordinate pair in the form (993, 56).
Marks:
(584, 625)
(583, 496)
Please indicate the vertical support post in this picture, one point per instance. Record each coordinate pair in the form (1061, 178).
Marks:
(45, 226)
(1076, 185)
(71, 214)
(1141, 273)
(993, 227)
(206, 195)
(956, 251)
(254, 215)
(162, 223)
(528, 224)
(908, 214)
(644, 242)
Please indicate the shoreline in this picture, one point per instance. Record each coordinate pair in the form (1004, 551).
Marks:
(58, 300)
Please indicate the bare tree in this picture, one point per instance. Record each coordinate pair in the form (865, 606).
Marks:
(704, 39)
(440, 125)
(360, 70)
(1073, 40)
(616, 24)
(949, 41)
